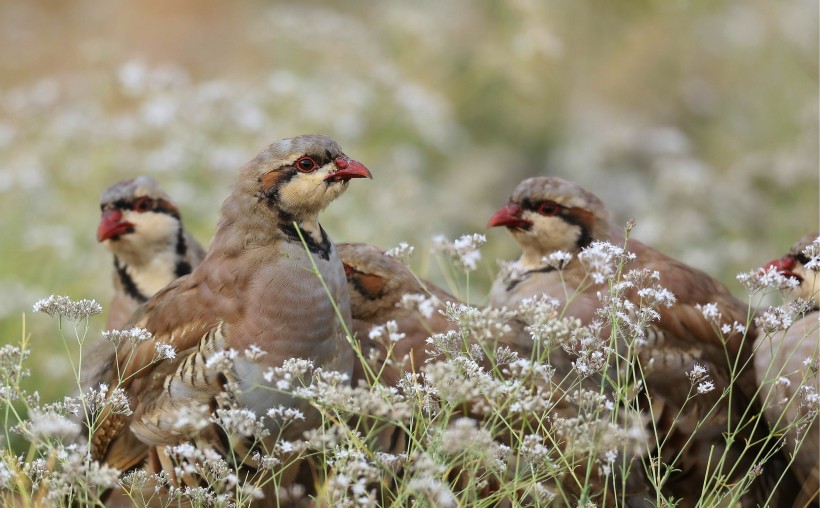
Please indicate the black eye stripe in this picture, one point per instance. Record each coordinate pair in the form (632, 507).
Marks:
(801, 258)
(159, 206)
(534, 206)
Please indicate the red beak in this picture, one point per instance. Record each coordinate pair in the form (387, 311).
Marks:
(348, 168)
(784, 266)
(510, 216)
(111, 226)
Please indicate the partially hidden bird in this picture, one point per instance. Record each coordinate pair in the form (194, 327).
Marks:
(142, 227)
(786, 366)
(271, 285)
(546, 215)
(383, 289)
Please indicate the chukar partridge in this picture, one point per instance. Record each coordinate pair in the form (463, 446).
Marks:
(786, 365)
(258, 287)
(377, 285)
(549, 214)
(143, 229)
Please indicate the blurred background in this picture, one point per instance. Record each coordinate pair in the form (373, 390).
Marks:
(698, 119)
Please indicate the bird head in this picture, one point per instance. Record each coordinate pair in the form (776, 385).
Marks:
(137, 216)
(298, 177)
(794, 264)
(376, 282)
(546, 214)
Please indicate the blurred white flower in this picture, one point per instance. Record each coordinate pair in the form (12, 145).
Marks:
(706, 387)
(762, 278)
(402, 252)
(165, 351)
(63, 306)
(463, 251)
(52, 425)
(558, 259)
(602, 260)
(134, 334)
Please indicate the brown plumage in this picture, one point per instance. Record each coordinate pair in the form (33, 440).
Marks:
(548, 214)
(255, 287)
(786, 363)
(142, 227)
(377, 284)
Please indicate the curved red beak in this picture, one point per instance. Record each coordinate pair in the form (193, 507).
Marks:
(112, 227)
(348, 168)
(784, 266)
(509, 215)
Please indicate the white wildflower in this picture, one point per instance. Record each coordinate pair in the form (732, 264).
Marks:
(45, 425)
(809, 397)
(770, 277)
(388, 332)
(774, 319)
(698, 373)
(812, 251)
(602, 260)
(221, 360)
(6, 476)
(710, 311)
(165, 351)
(285, 415)
(63, 306)
(463, 251)
(706, 387)
(609, 459)
(240, 422)
(402, 252)
(254, 353)
(425, 304)
(293, 370)
(134, 335)
(557, 260)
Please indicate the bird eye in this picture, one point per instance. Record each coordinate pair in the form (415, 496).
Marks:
(143, 204)
(306, 165)
(549, 208)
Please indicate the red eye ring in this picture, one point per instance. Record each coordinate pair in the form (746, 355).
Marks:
(143, 204)
(549, 208)
(306, 165)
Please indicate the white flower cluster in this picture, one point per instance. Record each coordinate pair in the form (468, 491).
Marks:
(464, 251)
(763, 278)
(700, 375)
(558, 259)
(483, 324)
(812, 251)
(593, 353)
(425, 304)
(774, 319)
(133, 335)
(240, 422)
(165, 351)
(97, 399)
(386, 333)
(292, 372)
(63, 306)
(402, 252)
(45, 425)
(603, 260)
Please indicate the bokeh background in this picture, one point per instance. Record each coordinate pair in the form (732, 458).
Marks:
(698, 119)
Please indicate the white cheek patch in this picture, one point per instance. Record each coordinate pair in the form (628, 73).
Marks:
(154, 233)
(546, 235)
(810, 286)
(309, 192)
(554, 233)
(153, 227)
